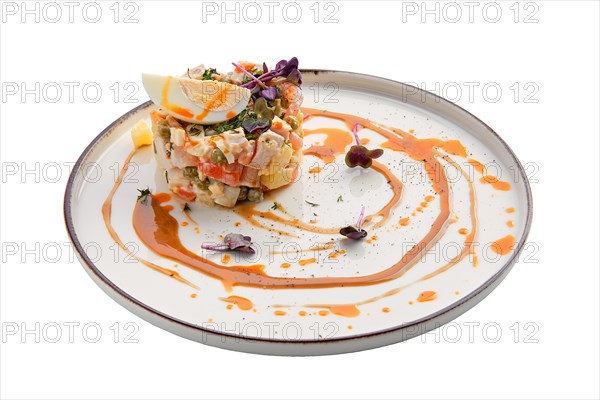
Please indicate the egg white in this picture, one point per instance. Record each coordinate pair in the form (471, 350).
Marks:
(155, 87)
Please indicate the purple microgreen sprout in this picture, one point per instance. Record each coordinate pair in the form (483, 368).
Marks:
(252, 77)
(359, 155)
(285, 69)
(270, 93)
(233, 242)
(355, 233)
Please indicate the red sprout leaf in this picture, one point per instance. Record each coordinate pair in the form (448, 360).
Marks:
(234, 242)
(255, 79)
(355, 233)
(359, 155)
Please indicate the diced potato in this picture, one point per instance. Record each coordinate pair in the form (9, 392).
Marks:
(140, 134)
(279, 161)
(281, 177)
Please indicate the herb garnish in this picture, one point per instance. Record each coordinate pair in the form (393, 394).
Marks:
(340, 198)
(260, 121)
(275, 205)
(286, 69)
(232, 241)
(311, 204)
(207, 75)
(355, 233)
(234, 123)
(143, 197)
(359, 155)
(186, 208)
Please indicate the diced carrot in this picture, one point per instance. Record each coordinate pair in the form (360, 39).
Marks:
(229, 174)
(185, 193)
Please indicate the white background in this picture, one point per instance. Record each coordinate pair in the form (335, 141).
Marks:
(552, 123)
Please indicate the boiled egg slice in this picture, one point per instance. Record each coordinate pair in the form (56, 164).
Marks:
(196, 101)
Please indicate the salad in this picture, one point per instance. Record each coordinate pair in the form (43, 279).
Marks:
(228, 137)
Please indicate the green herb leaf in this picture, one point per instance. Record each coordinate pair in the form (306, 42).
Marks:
(340, 199)
(195, 129)
(143, 197)
(186, 207)
(207, 75)
(275, 205)
(232, 124)
(311, 204)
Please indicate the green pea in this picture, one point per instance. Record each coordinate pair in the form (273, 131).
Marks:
(164, 131)
(292, 121)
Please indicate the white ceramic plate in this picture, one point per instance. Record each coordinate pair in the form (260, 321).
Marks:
(301, 321)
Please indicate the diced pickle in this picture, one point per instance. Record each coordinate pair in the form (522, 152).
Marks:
(203, 184)
(191, 173)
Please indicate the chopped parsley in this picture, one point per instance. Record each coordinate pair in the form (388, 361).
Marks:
(234, 123)
(195, 129)
(340, 198)
(311, 204)
(208, 74)
(275, 205)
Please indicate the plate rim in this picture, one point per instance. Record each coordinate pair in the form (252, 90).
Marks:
(89, 265)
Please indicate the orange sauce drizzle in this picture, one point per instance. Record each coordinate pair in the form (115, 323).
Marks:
(106, 216)
(479, 167)
(158, 229)
(307, 261)
(495, 182)
(504, 245)
(426, 296)
(335, 144)
(242, 302)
